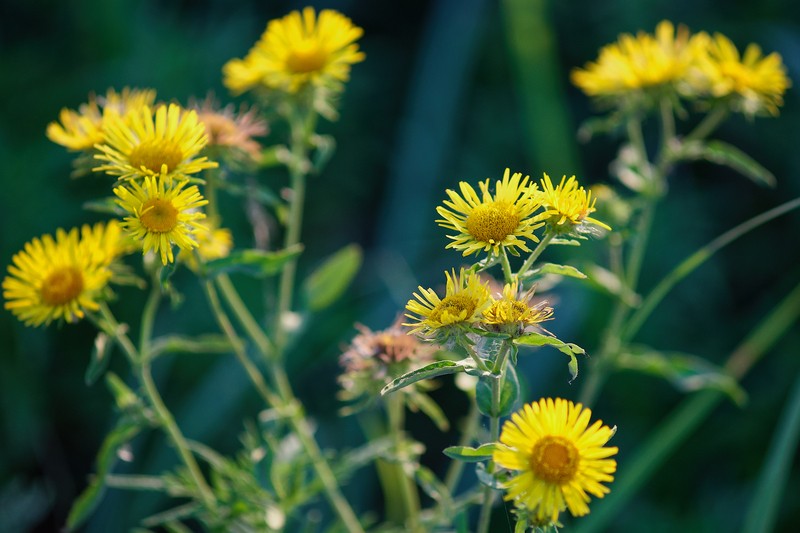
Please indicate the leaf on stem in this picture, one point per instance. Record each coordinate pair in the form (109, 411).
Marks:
(686, 372)
(552, 268)
(509, 394)
(256, 263)
(728, 155)
(608, 282)
(438, 368)
(471, 455)
(568, 348)
(331, 279)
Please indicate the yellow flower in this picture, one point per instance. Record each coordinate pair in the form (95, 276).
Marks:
(297, 50)
(489, 223)
(567, 206)
(561, 459)
(757, 82)
(464, 301)
(147, 143)
(641, 62)
(513, 313)
(164, 212)
(63, 277)
(213, 242)
(81, 130)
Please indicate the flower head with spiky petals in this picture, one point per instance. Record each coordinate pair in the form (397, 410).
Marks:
(161, 142)
(296, 51)
(567, 206)
(163, 212)
(464, 300)
(491, 222)
(559, 457)
(513, 313)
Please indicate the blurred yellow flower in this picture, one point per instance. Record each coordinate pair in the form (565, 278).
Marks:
(63, 277)
(641, 62)
(567, 206)
(489, 222)
(561, 460)
(513, 313)
(161, 142)
(164, 212)
(464, 301)
(213, 242)
(756, 82)
(80, 130)
(297, 50)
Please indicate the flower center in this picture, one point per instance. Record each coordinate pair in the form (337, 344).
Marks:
(159, 216)
(62, 286)
(307, 56)
(453, 308)
(492, 222)
(153, 154)
(554, 459)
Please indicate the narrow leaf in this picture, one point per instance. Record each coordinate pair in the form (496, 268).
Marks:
(256, 263)
(422, 402)
(552, 268)
(211, 343)
(686, 372)
(124, 397)
(439, 368)
(568, 348)
(608, 282)
(728, 155)
(98, 362)
(471, 455)
(330, 281)
(434, 488)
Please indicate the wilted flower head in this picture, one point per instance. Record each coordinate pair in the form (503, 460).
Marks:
(231, 130)
(512, 313)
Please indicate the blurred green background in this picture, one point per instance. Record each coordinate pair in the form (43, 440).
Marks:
(451, 90)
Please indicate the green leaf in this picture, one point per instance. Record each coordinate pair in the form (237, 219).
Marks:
(509, 394)
(728, 155)
(494, 481)
(422, 402)
(164, 275)
(686, 372)
(124, 431)
(560, 241)
(256, 263)
(608, 282)
(124, 397)
(98, 362)
(331, 279)
(211, 343)
(471, 455)
(568, 348)
(432, 370)
(434, 488)
(552, 268)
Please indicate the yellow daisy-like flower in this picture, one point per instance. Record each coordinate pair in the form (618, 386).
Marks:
(464, 301)
(641, 62)
(297, 50)
(164, 212)
(213, 242)
(80, 130)
(756, 81)
(60, 278)
(561, 459)
(489, 222)
(567, 206)
(162, 143)
(513, 313)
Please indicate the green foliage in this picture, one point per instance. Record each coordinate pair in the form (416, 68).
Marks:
(256, 263)
(332, 278)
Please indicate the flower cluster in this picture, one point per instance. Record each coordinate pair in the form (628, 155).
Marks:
(696, 66)
(506, 220)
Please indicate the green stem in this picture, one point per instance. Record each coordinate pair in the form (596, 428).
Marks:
(691, 263)
(713, 119)
(304, 432)
(456, 468)
(149, 314)
(507, 275)
(178, 440)
(116, 331)
(462, 341)
(395, 406)
(244, 316)
(526, 266)
(667, 125)
(690, 414)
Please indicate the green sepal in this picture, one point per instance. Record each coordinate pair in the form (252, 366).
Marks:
(568, 348)
(686, 372)
(432, 370)
(98, 362)
(125, 430)
(728, 155)
(509, 394)
(468, 454)
(332, 278)
(256, 263)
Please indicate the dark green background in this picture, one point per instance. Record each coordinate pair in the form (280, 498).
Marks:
(438, 100)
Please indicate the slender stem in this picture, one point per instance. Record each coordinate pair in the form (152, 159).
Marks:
(395, 406)
(323, 470)
(688, 265)
(178, 440)
(244, 316)
(526, 266)
(709, 123)
(238, 347)
(462, 341)
(149, 315)
(116, 331)
(507, 275)
(456, 468)
(635, 136)
(667, 125)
